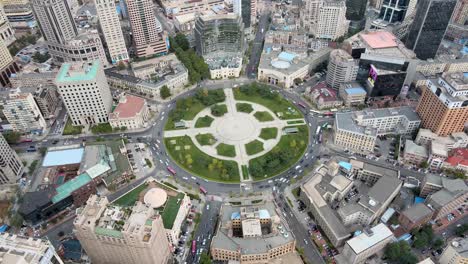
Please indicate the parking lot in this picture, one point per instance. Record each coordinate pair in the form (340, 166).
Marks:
(138, 153)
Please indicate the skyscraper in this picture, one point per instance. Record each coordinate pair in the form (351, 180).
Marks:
(356, 9)
(219, 33)
(443, 106)
(341, 68)
(7, 65)
(332, 22)
(394, 11)
(145, 34)
(429, 26)
(460, 15)
(122, 235)
(11, 168)
(110, 25)
(85, 92)
(7, 33)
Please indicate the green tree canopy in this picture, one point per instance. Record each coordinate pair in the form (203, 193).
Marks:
(165, 92)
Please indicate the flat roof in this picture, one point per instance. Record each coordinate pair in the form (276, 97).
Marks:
(129, 106)
(417, 212)
(366, 240)
(73, 72)
(63, 157)
(66, 189)
(355, 91)
(380, 39)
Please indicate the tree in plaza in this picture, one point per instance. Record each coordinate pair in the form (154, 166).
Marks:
(181, 41)
(12, 137)
(399, 252)
(205, 259)
(164, 92)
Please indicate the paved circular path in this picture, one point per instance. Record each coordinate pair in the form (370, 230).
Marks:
(238, 127)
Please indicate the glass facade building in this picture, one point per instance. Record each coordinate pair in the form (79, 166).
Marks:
(429, 26)
(394, 11)
(356, 9)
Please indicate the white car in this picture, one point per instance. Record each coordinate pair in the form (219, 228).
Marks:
(298, 167)
(193, 178)
(185, 178)
(207, 207)
(270, 181)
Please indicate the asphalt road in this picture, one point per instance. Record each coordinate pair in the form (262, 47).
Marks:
(205, 230)
(251, 68)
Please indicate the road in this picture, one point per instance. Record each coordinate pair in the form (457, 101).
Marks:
(257, 46)
(206, 228)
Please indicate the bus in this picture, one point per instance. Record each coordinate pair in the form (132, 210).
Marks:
(194, 246)
(171, 170)
(329, 114)
(203, 190)
(315, 112)
(301, 105)
(318, 130)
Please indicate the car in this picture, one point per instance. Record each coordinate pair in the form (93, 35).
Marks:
(207, 207)
(204, 242)
(305, 241)
(193, 178)
(185, 178)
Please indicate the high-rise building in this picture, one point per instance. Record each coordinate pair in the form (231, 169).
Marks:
(356, 9)
(310, 14)
(63, 40)
(394, 11)
(7, 34)
(223, 33)
(27, 250)
(460, 15)
(120, 235)
(331, 23)
(247, 9)
(11, 168)
(7, 65)
(18, 11)
(23, 114)
(429, 26)
(145, 34)
(85, 92)
(443, 106)
(341, 68)
(110, 25)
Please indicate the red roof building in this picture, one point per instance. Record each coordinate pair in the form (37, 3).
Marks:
(132, 113)
(457, 159)
(323, 96)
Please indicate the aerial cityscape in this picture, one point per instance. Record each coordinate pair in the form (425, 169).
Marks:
(234, 132)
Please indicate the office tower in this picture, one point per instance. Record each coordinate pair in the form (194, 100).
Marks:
(7, 65)
(460, 15)
(443, 106)
(23, 114)
(332, 22)
(55, 20)
(110, 26)
(356, 9)
(7, 34)
(132, 234)
(85, 92)
(429, 26)
(394, 11)
(310, 14)
(341, 68)
(27, 250)
(18, 11)
(219, 33)
(11, 168)
(247, 9)
(147, 40)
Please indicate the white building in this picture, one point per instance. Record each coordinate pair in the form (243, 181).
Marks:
(341, 68)
(27, 250)
(85, 92)
(368, 243)
(325, 19)
(456, 252)
(281, 68)
(131, 112)
(23, 113)
(11, 168)
(223, 65)
(110, 25)
(7, 34)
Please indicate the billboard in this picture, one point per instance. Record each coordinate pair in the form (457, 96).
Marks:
(372, 78)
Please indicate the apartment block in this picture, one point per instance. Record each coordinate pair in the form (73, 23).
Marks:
(455, 140)
(11, 167)
(414, 153)
(175, 8)
(443, 106)
(331, 22)
(148, 41)
(7, 33)
(341, 68)
(114, 234)
(24, 114)
(85, 92)
(415, 216)
(27, 250)
(456, 252)
(368, 243)
(352, 93)
(7, 65)
(111, 29)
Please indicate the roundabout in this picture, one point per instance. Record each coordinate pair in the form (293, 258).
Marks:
(256, 135)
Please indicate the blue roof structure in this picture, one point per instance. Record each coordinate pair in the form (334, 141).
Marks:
(355, 91)
(418, 200)
(3, 228)
(347, 166)
(286, 56)
(63, 157)
(263, 214)
(235, 215)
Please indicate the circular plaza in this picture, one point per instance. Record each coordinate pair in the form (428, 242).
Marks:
(249, 133)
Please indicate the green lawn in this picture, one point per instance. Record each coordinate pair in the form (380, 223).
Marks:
(219, 110)
(269, 133)
(131, 197)
(254, 147)
(171, 208)
(244, 107)
(263, 116)
(187, 114)
(205, 139)
(204, 121)
(277, 104)
(226, 150)
(288, 151)
(70, 129)
(245, 172)
(197, 162)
